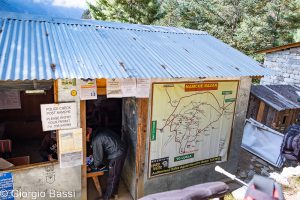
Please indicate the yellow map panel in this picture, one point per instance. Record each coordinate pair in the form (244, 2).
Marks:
(191, 124)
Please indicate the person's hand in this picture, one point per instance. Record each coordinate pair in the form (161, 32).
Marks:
(50, 157)
(89, 169)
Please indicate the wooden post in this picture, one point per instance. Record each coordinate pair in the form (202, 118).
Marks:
(142, 107)
(260, 113)
(83, 167)
(55, 88)
(101, 86)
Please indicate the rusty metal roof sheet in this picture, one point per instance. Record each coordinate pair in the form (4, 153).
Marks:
(280, 97)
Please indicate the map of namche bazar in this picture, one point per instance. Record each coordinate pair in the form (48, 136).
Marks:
(191, 124)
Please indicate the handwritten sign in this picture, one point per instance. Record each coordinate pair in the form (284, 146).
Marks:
(10, 100)
(59, 116)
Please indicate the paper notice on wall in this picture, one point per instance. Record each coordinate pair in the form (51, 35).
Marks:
(142, 88)
(128, 87)
(10, 100)
(113, 87)
(70, 140)
(88, 89)
(71, 159)
(70, 147)
(68, 89)
(59, 116)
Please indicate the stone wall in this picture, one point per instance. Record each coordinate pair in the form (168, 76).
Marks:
(286, 64)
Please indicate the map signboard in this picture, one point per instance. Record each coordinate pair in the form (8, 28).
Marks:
(190, 124)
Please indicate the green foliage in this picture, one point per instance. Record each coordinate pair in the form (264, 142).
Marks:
(248, 25)
(131, 11)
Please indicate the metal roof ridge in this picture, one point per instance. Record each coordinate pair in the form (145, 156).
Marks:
(101, 24)
(296, 105)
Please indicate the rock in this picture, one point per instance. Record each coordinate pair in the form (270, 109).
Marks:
(243, 174)
(266, 168)
(251, 167)
(251, 173)
(262, 162)
(258, 165)
(271, 168)
(264, 173)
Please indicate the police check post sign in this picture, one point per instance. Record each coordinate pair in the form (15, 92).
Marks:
(59, 116)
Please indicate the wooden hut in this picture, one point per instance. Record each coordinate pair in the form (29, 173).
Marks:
(179, 97)
(276, 106)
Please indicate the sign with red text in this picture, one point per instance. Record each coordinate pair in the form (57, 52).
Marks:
(59, 116)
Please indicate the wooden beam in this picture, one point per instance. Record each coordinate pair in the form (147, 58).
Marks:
(101, 91)
(55, 88)
(83, 167)
(283, 47)
(142, 106)
(101, 86)
(260, 113)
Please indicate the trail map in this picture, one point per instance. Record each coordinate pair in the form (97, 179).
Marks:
(191, 124)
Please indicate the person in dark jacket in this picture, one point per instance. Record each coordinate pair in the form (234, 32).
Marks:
(107, 145)
(48, 149)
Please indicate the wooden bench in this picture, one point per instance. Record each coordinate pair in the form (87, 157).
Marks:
(94, 176)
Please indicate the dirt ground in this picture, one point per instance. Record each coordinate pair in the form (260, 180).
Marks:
(249, 165)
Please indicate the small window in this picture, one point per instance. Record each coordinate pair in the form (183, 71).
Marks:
(21, 133)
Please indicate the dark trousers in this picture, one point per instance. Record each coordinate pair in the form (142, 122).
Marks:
(114, 176)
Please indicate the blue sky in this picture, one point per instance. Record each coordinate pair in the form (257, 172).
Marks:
(55, 8)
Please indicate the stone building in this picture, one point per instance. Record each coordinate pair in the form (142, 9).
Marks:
(285, 61)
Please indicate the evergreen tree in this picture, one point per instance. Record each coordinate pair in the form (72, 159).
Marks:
(131, 11)
(248, 25)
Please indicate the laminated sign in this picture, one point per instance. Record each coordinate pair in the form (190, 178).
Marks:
(70, 147)
(191, 124)
(88, 89)
(59, 116)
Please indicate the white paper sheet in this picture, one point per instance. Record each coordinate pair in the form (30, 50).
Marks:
(59, 116)
(71, 159)
(113, 88)
(88, 89)
(128, 87)
(143, 88)
(70, 140)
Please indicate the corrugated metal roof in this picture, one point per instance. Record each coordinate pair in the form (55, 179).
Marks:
(35, 47)
(280, 97)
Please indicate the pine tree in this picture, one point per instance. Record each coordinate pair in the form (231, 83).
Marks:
(248, 25)
(131, 11)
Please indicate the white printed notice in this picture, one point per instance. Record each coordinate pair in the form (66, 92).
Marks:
(142, 88)
(71, 159)
(10, 100)
(59, 116)
(88, 89)
(113, 88)
(70, 147)
(128, 87)
(68, 89)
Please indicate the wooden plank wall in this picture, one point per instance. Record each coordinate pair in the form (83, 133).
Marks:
(253, 107)
(142, 106)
